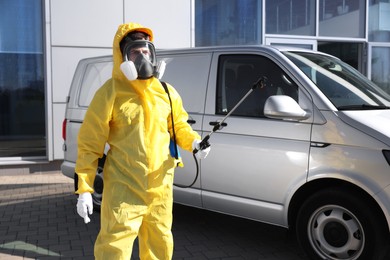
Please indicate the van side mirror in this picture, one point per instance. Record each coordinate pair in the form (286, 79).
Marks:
(284, 107)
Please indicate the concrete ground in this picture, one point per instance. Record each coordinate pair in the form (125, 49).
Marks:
(38, 221)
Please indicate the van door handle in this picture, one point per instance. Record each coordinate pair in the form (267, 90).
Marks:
(214, 123)
(191, 121)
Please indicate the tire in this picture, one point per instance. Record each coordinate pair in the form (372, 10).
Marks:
(97, 185)
(338, 224)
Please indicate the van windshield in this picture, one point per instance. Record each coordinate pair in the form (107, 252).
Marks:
(344, 86)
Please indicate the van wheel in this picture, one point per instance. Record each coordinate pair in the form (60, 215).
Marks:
(335, 224)
(97, 185)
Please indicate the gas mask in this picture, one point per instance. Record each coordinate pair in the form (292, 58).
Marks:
(139, 60)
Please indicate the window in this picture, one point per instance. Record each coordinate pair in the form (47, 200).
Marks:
(22, 91)
(96, 75)
(290, 17)
(227, 22)
(379, 21)
(380, 67)
(343, 18)
(346, 88)
(236, 76)
(349, 52)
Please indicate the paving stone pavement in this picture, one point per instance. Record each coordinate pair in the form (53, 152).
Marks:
(38, 221)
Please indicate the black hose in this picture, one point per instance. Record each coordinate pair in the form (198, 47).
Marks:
(196, 176)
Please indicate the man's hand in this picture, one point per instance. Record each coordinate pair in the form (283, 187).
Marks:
(200, 154)
(85, 206)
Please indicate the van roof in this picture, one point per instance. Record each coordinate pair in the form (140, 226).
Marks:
(235, 48)
(238, 48)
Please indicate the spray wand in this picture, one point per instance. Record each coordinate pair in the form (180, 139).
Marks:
(205, 142)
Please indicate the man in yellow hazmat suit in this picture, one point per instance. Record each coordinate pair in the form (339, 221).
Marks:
(132, 113)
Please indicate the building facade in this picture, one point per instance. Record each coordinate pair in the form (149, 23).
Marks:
(41, 42)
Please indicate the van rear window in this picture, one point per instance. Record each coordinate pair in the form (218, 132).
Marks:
(96, 74)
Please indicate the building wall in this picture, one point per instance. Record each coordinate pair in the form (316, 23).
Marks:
(79, 29)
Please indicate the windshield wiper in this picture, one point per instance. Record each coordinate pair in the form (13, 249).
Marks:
(362, 107)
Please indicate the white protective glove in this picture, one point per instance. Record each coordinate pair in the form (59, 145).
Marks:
(85, 206)
(201, 154)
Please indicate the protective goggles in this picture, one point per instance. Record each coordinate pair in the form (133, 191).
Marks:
(139, 47)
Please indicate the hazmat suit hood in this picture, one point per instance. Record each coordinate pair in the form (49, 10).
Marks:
(122, 31)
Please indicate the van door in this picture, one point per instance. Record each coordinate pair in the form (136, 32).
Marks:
(188, 73)
(255, 163)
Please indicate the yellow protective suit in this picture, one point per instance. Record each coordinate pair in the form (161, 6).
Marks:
(133, 117)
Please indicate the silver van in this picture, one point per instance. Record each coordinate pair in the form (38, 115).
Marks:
(308, 150)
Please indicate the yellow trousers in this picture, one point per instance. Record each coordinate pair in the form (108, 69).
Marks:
(121, 225)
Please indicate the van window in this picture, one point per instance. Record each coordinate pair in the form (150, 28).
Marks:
(188, 74)
(96, 74)
(236, 76)
(345, 87)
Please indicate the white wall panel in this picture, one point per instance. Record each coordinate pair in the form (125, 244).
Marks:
(170, 20)
(85, 22)
(64, 62)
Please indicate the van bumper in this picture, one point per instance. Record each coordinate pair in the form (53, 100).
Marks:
(384, 199)
(67, 169)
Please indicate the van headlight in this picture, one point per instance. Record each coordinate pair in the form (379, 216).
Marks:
(386, 153)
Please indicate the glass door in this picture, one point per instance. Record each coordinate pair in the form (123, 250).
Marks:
(22, 80)
(379, 65)
(349, 52)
